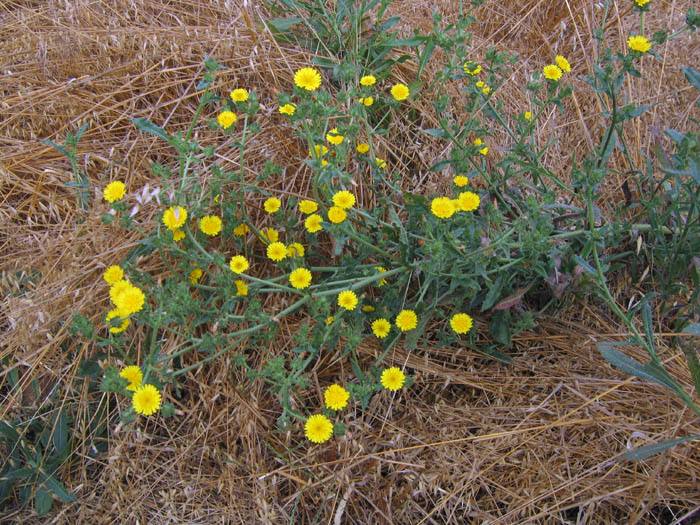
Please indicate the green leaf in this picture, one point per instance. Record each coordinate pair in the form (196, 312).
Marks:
(58, 148)
(649, 450)
(583, 264)
(693, 76)
(42, 501)
(149, 127)
(692, 329)
(500, 330)
(648, 327)
(57, 488)
(649, 372)
(60, 433)
(389, 24)
(283, 25)
(436, 132)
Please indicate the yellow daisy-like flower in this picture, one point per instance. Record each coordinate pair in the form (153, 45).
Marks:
(479, 142)
(334, 137)
(344, 199)
(329, 320)
(318, 428)
(461, 323)
(210, 225)
(239, 95)
(174, 217)
(336, 214)
(336, 397)
(563, 63)
(307, 78)
(241, 287)
(639, 43)
(307, 207)
(133, 375)
(641, 3)
(484, 87)
(318, 151)
(117, 288)
(269, 235)
(368, 80)
(313, 223)
(116, 329)
(362, 148)
(381, 328)
(241, 230)
(114, 191)
(367, 101)
(295, 250)
(368, 308)
(552, 72)
(226, 119)
(178, 235)
(527, 115)
(196, 275)
(461, 181)
(406, 320)
(347, 299)
(472, 68)
(468, 201)
(381, 269)
(300, 278)
(130, 301)
(381, 163)
(442, 207)
(113, 274)
(288, 109)
(400, 91)
(238, 264)
(272, 205)
(393, 378)
(276, 251)
(146, 400)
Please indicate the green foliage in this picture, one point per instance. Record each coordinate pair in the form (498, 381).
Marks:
(81, 184)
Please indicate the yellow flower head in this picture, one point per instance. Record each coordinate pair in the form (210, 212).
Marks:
(641, 3)
(196, 275)
(117, 288)
(306, 207)
(527, 115)
(472, 68)
(133, 375)
(146, 400)
(479, 142)
(381, 163)
(130, 301)
(238, 264)
(276, 251)
(442, 207)
(300, 278)
(295, 249)
(368, 308)
(174, 217)
(307, 78)
(347, 299)
(461, 181)
(461, 323)
(114, 191)
(313, 223)
(178, 235)
(400, 91)
(329, 320)
(552, 72)
(468, 201)
(368, 80)
(336, 214)
(336, 397)
(239, 95)
(226, 119)
(393, 378)
(318, 151)
(241, 287)
(288, 109)
(367, 101)
(272, 205)
(210, 225)
(406, 320)
(269, 235)
(344, 199)
(318, 428)
(381, 328)
(241, 230)
(381, 269)
(334, 137)
(362, 148)
(116, 329)
(639, 43)
(113, 274)
(563, 63)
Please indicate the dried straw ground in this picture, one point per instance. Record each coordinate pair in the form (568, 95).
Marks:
(473, 441)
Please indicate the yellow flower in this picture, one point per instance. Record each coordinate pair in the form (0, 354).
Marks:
(117, 288)
(368, 80)
(329, 320)
(347, 299)
(116, 329)
(468, 201)
(276, 251)
(639, 43)
(472, 68)
(381, 269)
(174, 217)
(178, 235)
(563, 63)
(400, 91)
(552, 72)
(406, 320)
(239, 95)
(484, 87)
(313, 223)
(336, 214)
(368, 308)
(362, 148)
(381, 163)
(241, 287)
(306, 207)
(319, 151)
(226, 119)
(269, 235)
(288, 109)
(393, 378)
(334, 137)
(210, 225)
(527, 115)
(318, 428)
(307, 78)
(241, 230)
(295, 250)
(344, 199)
(336, 397)
(146, 400)
(461, 181)
(272, 205)
(442, 207)
(367, 101)
(479, 142)
(196, 275)
(133, 375)
(114, 191)
(130, 301)
(300, 278)
(113, 274)
(461, 323)
(238, 264)
(641, 3)
(381, 328)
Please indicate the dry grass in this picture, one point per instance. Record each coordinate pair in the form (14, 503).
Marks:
(472, 441)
